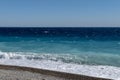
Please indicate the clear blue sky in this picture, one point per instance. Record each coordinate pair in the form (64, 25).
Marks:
(60, 13)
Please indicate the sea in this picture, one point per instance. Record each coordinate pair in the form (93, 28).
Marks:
(92, 51)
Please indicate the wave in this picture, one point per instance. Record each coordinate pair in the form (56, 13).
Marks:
(35, 56)
(59, 62)
(84, 58)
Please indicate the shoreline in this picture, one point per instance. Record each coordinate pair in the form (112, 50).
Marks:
(57, 74)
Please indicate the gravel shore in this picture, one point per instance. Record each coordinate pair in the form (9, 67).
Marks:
(26, 73)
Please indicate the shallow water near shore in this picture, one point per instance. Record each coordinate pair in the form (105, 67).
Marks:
(76, 50)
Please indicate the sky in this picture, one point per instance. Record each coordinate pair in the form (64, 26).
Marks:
(60, 13)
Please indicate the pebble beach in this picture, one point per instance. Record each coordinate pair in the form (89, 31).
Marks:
(27, 73)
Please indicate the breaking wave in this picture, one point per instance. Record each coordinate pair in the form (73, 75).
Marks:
(63, 63)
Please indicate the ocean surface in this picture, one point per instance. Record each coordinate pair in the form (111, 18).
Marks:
(64, 49)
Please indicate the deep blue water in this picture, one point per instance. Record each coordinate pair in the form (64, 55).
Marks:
(92, 46)
(88, 33)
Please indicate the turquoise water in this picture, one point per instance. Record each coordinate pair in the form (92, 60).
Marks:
(68, 50)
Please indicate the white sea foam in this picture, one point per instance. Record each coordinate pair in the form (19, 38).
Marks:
(97, 71)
